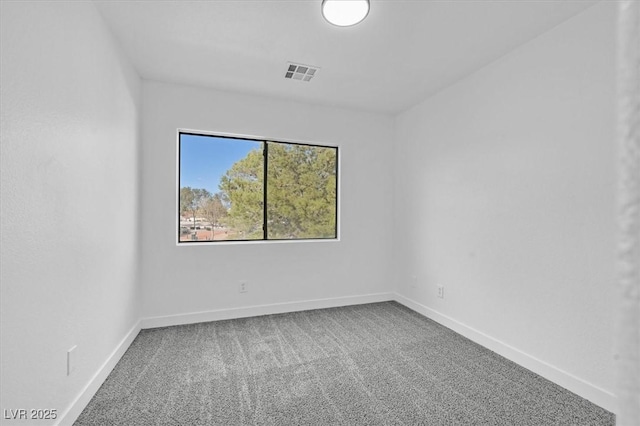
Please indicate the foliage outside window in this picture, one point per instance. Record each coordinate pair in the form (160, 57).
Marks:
(240, 189)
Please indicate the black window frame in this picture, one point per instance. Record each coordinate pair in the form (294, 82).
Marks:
(265, 151)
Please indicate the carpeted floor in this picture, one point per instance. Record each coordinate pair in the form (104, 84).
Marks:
(376, 364)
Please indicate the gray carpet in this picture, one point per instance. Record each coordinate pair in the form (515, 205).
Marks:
(376, 364)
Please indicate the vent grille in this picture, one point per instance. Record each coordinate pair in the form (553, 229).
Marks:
(300, 72)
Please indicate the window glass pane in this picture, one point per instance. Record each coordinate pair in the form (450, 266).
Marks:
(221, 188)
(301, 191)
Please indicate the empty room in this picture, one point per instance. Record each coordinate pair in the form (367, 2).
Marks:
(320, 212)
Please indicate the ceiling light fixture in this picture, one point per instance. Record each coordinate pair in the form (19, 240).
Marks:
(345, 13)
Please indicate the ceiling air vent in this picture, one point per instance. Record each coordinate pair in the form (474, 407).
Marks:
(300, 72)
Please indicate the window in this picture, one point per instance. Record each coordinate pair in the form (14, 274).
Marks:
(242, 189)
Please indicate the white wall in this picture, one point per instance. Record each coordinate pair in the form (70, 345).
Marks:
(627, 336)
(188, 279)
(504, 194)
(69, 201)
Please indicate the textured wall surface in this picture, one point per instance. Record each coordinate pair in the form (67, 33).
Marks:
(187, 279)
(628, 323)
(505, 195)
(69, 210)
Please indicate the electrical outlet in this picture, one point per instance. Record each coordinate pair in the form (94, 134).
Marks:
(441, 291)
(243, 287)
(71, 359)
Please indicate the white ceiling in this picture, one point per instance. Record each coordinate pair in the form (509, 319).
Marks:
(400, 54)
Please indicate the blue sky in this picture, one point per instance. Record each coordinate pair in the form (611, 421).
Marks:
(205, 159)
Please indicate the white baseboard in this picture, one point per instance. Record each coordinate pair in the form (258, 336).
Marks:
(591, 392)
(252, 311)
(79, 404)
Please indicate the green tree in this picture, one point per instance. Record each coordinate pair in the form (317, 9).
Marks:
(241, 188)
(301, 198)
